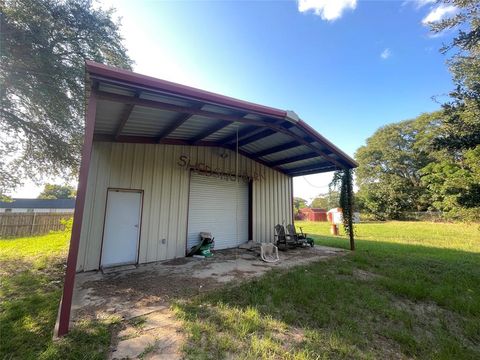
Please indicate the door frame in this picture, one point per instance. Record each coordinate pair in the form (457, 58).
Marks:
(116, 189)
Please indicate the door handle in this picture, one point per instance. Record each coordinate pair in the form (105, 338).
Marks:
(136, 225)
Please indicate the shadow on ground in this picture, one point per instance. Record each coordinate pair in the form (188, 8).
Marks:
(148, 292)
(383, 301)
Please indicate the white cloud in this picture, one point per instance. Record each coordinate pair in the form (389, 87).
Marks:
(418, 3)
(329, 10)
(439, 13)
(386, 54)
(422, 3)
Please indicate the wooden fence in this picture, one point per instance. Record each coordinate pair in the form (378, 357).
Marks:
(28, 224)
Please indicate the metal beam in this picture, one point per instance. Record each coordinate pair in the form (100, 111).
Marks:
(262, 134)
(242, 133)
(127, 111)
(102, 95)
(210, 130)
(294, 159)
(252, 157)
(278, 148)
(169, 107)
(178, 122)
(312, 172)
(148, 140)
(310, 169)
(214, 128)
(151, 140)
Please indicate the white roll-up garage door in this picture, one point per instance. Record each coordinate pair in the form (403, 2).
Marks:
(218, 206)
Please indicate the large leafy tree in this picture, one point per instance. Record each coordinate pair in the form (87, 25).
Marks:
(461, 126)
(390, 164)
(454, 179)
(44, 44)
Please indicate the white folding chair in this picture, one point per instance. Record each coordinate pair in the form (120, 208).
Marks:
(269, 253)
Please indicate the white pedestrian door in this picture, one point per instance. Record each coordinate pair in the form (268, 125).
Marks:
(122, 228)
(220, 207)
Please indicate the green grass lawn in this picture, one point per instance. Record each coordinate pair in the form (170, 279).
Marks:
(410, 290)
(31, 279)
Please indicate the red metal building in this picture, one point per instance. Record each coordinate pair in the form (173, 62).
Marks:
(313, 214)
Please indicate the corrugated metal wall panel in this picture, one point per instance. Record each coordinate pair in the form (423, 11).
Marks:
(154, 169)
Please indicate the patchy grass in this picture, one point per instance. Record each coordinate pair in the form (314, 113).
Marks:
(410, 290)
(31, 279)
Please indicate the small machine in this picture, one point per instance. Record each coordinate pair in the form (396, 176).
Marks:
(204, 247)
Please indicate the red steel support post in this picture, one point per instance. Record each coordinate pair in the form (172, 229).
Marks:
(66, 303)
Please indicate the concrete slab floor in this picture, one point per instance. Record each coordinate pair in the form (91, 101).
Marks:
(147, 291)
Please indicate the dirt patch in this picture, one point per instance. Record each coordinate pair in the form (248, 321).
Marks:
(365, 275)
(429, 315)
(178, 261)
(149, 290)
(137, 287)
(291, 337)
(159, 336)
(260, 265)
(421, 309)
(387, 349)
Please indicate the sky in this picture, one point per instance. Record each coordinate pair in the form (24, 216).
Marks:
(346, 67)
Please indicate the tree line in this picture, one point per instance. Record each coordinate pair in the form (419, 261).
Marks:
(432, 162)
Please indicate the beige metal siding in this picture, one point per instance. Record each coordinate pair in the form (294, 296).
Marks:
(155, 170)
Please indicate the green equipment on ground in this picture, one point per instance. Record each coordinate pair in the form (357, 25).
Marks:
(204, 247)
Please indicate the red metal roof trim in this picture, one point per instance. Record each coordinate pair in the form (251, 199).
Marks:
(183, 90)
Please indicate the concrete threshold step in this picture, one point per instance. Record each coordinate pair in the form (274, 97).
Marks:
(114, 269)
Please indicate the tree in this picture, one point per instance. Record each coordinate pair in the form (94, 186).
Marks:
(455, 185)
(326, 201)
(298, 203)
(52, 191)
(390, 164)
(44, 44)
(455, 178)
(461, 128)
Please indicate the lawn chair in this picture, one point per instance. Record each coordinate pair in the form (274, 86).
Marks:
(298, 239)
(269, 253)
(282, 240)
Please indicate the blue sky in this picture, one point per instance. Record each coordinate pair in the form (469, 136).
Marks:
(346, 67)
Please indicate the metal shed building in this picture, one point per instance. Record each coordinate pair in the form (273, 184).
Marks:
(162, 162)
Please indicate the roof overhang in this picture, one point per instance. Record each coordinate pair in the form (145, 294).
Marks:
(140, 109)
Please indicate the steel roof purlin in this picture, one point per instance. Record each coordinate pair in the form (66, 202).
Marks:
(203, 116)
